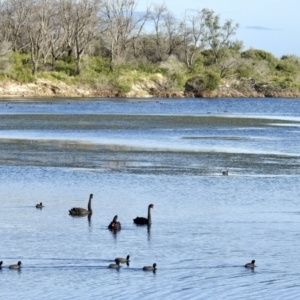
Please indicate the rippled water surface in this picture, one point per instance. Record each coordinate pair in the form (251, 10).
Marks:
(130, 153)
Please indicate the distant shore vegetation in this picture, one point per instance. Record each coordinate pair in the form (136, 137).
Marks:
(108, 44)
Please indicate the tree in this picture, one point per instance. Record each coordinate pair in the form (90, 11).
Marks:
(193, 28)
(123, 27)
(58, 35)
(36, 27)
(217, 35)
(14, 16)
(4, 55)
(77, 28)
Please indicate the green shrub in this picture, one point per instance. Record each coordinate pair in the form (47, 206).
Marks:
(178, 79)
(245, 71)
(21, 68)
(123, 88)
(212, 80)
(287, 67)
(258, 55)
(198, 66)
(208, 81)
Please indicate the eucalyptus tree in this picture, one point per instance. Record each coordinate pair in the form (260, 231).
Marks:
(217, 35)
(124, 26)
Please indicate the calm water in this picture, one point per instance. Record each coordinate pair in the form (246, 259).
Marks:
(130, 153)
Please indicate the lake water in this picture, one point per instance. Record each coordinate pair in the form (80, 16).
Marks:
(130, 153)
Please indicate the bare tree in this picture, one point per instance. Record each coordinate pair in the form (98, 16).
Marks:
(123, 27)
(157, 17)
(193, 28)
(37, 27)
(166, 37)
(14, 16)
(172, 32)
(57, 33)
(86, 27)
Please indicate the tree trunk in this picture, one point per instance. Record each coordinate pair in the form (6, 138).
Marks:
(78, 64)
(34, 67)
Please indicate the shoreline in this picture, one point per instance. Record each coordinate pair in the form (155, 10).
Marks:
(43, 89)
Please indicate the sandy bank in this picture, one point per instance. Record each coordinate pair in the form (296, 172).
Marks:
(47, 89)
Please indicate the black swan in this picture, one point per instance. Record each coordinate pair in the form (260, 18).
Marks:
(114, 224)
(39, 205)
(142, 220)
(78, 211)
(116, 265)
(123, 260)
(250, 265)
(150, 268)
(17, 266)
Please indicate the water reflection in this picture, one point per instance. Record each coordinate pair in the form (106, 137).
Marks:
(149, 232)
(114, 232)
(89, 220)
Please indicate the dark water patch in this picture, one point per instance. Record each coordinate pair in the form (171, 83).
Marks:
(116, 158)
(128, 122)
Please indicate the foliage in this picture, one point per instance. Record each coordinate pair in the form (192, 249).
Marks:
(207, 81)
(260, 55)
(178, 80)
(21, 69)
(287, 67)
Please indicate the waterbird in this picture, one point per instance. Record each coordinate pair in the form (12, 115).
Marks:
(114, 224)
(17, 266)
(250, 265)
(123, 260)
(78, 211)
(150, 268)
(142, 220)
(116, 265)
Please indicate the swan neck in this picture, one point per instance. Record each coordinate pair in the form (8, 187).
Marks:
(149, 215)
(90, 205)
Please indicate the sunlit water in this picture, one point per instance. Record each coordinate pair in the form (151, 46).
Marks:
(130, 153)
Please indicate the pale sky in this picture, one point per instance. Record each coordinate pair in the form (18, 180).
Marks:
(270, 25)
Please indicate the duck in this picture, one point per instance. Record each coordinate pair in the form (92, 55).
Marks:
(116, 265)
(123, 260)
(78, 211)
(114, 224)
(142, 220)
(17, 266)
(39, 205)
(1, 262)
(250, 265)
(225, 173)
(150, 268)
